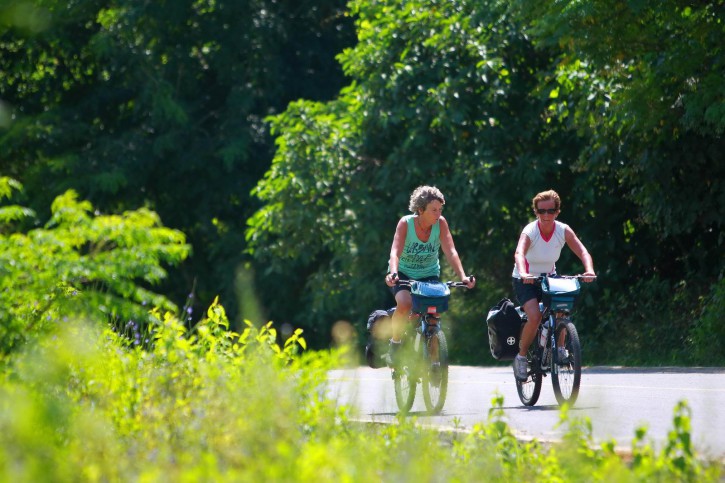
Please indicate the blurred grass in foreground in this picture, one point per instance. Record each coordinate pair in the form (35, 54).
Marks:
(213, 405)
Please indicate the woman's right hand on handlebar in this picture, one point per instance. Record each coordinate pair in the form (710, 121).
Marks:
(391, 279)
(528, 278)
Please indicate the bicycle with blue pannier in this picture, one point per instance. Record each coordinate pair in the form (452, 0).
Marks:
(424, 350)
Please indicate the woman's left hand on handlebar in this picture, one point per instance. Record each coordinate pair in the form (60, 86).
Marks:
(470, 281)
(589, 276)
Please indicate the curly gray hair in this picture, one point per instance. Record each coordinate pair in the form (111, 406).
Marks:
(423, 195)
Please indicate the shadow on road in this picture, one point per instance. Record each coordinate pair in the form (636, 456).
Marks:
(548, 407)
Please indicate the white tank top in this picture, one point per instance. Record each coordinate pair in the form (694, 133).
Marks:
(543, 253)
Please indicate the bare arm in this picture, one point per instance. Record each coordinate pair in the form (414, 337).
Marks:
(449, 249)
(580, 251)
(520, 258)
(401, 231)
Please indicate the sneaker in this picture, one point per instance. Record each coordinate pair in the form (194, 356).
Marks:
(394, 353)
(563, 355)
(520, 368)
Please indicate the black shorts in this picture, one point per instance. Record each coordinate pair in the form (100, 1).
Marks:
(526, 291)
(401, 276)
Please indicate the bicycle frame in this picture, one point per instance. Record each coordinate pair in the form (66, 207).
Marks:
(544, 357)
(427, 361)
(549, 321)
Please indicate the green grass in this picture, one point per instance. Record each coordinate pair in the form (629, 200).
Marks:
(86, 404)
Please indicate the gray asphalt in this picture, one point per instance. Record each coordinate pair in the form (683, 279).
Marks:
(617, 400)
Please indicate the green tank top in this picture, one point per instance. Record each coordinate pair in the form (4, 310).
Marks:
(420, 260)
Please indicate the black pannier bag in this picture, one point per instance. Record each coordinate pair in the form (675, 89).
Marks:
(504, 330)
(379, 328)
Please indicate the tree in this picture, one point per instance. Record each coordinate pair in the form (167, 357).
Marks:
(443, 93)
(161, 104)
(80, 264)
(643, 80)
(494, 102)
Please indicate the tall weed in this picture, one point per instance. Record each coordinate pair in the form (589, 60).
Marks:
(208, 404)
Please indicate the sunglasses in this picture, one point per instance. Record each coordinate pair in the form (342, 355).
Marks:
(551, 211)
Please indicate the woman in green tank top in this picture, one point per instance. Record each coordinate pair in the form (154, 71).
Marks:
(414, 254)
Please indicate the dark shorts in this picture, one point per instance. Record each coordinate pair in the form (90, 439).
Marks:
(401, 276)
(526, 291)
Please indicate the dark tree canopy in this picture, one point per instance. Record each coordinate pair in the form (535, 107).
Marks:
(284, 138)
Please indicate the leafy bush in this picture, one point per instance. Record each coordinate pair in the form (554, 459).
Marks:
(80, 263)
(208, 404)
(622, 328)
(708, 335)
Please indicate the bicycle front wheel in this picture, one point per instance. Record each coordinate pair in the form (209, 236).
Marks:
(566, 372)
(530, 389)
(405, 375)
(435, 376)
(404, 383)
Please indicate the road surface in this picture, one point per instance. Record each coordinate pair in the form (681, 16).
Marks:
(618, 400)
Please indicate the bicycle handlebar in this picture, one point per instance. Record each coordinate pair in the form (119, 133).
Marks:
(579, 275)
(450, 283)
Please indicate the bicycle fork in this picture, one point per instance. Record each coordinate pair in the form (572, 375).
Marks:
(429, 326)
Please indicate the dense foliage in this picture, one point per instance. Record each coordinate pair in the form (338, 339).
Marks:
(162, 105)
(168, 106)
(213, 405)
(618, 107)
(79, 264)
(117, 115)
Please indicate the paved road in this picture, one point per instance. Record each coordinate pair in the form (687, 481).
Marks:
(617, 400)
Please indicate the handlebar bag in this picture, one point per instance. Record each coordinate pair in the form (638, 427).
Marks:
(559, 293)
(504, 330)
(429, 297)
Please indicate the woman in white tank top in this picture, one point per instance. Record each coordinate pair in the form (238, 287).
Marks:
(536, 254)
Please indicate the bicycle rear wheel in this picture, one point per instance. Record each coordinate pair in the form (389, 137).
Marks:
(530, 389)
(435, 378)
(566, 373)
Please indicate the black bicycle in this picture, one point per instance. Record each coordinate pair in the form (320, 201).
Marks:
(424, 350)
(556, 349)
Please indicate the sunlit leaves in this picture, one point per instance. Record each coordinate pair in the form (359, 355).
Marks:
(82, 264)
(162, 104)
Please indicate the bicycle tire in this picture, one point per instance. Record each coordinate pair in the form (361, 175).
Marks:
(405, 377)
(566, 375)
(435, 382)
(530, 389)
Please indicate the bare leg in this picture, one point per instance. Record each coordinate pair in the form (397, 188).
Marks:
(400, 317)
(528, 333)
(562, 337)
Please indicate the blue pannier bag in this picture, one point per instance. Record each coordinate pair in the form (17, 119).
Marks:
(429, 297)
